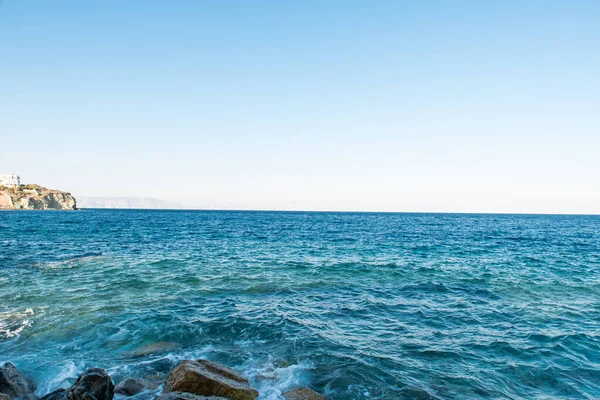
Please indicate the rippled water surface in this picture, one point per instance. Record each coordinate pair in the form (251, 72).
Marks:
(357, 306)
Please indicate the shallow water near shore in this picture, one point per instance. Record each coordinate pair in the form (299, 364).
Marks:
(354, 305)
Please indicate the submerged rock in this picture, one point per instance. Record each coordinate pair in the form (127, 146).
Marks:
(133, 386)
(59, 394)
(93, 384)
(303, 394)
(206, 378)
(153, 348)
(186, 396)
(4, 397)
(14, 384)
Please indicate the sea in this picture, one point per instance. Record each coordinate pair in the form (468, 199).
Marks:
(352, 305)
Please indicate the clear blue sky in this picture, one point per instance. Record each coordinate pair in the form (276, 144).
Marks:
(328, 105)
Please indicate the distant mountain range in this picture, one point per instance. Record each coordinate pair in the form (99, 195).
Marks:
(127, 202)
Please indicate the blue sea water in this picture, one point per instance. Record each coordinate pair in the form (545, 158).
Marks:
(354, 305)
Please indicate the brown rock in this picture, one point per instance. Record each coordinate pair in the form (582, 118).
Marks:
(223, 370)
(133, 386)
(14, 384)
(206, 378)
(93, 384)
(303, 394)
(186, 396)
(4, 396)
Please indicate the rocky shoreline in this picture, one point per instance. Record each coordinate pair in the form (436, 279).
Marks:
(35, 197)
(190, 380)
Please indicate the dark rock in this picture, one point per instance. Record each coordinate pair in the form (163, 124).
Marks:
(206, 378)
(303, 394)
(186, 396)
(93, 384)
(4, 397)
(132, 386)
(59, 394)
(14, 384)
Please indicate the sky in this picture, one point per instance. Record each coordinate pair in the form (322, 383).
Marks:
(434, 105)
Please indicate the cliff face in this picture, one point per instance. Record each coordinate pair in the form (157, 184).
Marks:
(35, 197)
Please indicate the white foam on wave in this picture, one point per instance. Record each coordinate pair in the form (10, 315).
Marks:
(70, 262)
(13, 323)
(121, 334)
(175, 357)
(269, 377)
(272, 379)
(249, 342)
(119, 370)
(8, 333)
(61, 376)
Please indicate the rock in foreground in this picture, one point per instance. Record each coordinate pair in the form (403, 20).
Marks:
(94, 384)
(14, 384)
(303, 394)
(206, 378)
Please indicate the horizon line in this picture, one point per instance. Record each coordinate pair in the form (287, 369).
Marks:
(330, 211)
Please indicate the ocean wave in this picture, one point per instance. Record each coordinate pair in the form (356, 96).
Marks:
(272, 378)
(13, 323)
(59, 376)
(460, 311)
(70, 262)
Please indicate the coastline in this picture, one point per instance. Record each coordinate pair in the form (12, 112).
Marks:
(35, 197)
(189, 380)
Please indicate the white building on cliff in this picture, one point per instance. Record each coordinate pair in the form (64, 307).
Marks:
(11, 180)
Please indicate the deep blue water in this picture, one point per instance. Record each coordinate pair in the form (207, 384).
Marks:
(358, 306)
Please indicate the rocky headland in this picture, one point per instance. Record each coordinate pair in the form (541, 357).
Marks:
(35, 197)
(190, 380)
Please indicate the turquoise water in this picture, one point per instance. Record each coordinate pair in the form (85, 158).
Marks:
(358, 306)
